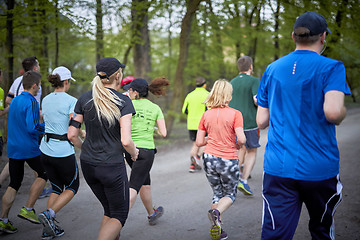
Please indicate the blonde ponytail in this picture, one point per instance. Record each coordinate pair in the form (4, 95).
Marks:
(106, 102)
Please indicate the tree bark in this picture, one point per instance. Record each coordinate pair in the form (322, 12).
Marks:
(99, 31)
(141, 38)
(10, 43)
(178, 86)
(56, 33)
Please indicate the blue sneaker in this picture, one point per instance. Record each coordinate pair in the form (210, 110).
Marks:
(223, 235)
(244, 188)
(45, 193)
(50, 228)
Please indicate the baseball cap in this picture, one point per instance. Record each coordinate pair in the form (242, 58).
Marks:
(140, 85)
(126, 80)
(313, 21)
(109, 65)
(200, 81)
(63, 72)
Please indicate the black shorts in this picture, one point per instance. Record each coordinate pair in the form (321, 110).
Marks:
(1, 145)
(192, 135)
(252, 138)
(140, 169)
(110, 185)
(16, 169)
(62, 172)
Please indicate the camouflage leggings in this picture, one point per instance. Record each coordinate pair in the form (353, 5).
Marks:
(223, 176)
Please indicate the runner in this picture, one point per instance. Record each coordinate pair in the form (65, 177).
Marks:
(57, 152)
(107, 116)
(224, 126)
(142, 131)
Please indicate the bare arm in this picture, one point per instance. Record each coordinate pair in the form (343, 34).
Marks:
(334, 108)
(262, 117)
(5, 111)
(8, 99)
(73, 132)
(200, 138)
(255, 100)
(126, 140)
(162, 127)
(240, 135)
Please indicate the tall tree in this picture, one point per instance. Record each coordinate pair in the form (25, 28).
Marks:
(178, 86)
(10, 41)
(99, 31)
(141, 38)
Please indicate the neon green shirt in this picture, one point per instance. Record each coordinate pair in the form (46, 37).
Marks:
(1, 103)
(143, 123)
(194, 108)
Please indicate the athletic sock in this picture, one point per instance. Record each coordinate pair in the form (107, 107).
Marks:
(29, 209)
(5, 220)
(52, 213)
(243, 180)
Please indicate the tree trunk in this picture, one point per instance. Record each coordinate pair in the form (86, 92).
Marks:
(276, 29)
(99, 31)
(141, 38)
(56, 34)
(178, 86)
(10, 43)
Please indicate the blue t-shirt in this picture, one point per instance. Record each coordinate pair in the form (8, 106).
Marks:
(56, 108)
(301, 142)
(24, 127)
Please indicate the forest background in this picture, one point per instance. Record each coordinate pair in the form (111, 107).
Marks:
(179, 39)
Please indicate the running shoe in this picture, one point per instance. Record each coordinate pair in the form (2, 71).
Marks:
(194, 167)
(223, 235)
(50, 228)
(7, 227)
(45, 193)
(215, 230)
(46, 236)
(157, 213)
(29, 215)
(244, 188)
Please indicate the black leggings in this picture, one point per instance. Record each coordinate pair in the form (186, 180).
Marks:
(140, 169)
(110, 185)
(62, 172)
(16, 169)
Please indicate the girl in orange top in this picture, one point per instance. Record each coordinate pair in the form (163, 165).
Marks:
(224, 128)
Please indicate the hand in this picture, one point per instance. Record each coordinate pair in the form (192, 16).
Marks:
(135, 156)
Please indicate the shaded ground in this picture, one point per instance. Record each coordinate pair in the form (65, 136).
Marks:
(186, 198)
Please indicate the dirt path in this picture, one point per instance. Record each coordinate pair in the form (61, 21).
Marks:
(186, 198)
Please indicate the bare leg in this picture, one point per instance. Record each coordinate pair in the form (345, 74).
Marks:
(4, 173)
(7, 201)
(222, 205)
(35, 191)
(133, 195)
(241, 157)
(249, 163)
(109, 228)
(194, 150)
(57, 202)
(146, 198)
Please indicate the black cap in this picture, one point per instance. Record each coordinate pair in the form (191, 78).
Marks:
(312, 21)
(138, 84)
(109, 66)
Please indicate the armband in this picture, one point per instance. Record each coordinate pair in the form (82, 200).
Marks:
(11, 95)
(74, 123)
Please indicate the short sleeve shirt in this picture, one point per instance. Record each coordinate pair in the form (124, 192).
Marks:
(245, 87)
(17, 88)
(301, 142)
(56, 108)
(143, 123)
(102, 144)
(220, 125)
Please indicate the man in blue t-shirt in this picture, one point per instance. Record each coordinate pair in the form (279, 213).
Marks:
(301, 99)
(24, 128)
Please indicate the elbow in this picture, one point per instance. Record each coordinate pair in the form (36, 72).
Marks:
(335, 115)
(262, 125)
(126, 143)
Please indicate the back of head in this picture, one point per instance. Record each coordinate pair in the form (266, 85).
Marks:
(200, 81)
(220, 94)
(29, 63)
(30, 78)
(157, 86)
(106, 102)
(309, 27)
(244, 63)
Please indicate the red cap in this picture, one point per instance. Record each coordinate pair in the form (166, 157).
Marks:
(126, 80)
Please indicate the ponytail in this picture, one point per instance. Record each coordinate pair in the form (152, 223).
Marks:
(106, 102)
